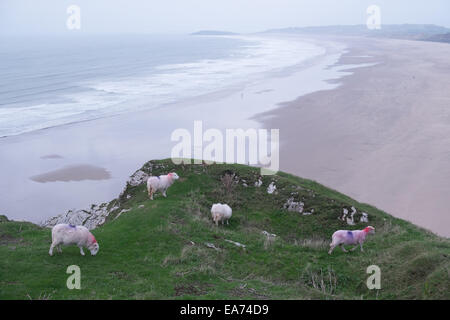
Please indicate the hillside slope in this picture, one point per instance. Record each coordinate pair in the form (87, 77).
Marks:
(169, 248)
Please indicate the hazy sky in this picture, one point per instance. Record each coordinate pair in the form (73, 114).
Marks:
(184, 16)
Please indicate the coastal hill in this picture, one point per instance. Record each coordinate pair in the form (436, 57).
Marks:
(399, 31)
(213, 33)
(275, 246)
(445, 37)
(423, 32)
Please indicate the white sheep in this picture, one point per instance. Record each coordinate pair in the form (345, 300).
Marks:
(161, 183)
(220, 212)
(342, 237)
(69, 234)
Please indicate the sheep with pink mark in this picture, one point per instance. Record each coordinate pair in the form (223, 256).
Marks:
(67, 234)
(348, 237)
(160, 183)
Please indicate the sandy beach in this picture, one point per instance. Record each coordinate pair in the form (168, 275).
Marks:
(381, 137)
(372, 123)
(47, 172)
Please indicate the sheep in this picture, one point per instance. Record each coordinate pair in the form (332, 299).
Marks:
(69, 234)
(161, 183)
(342, 237)
(220, 212)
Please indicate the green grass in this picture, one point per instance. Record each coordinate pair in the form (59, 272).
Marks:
(159, 251)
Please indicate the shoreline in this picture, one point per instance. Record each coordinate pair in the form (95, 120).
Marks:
(347, 133)
(382, 136)
(120, 144)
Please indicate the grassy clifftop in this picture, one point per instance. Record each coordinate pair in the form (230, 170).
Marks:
(169, 248)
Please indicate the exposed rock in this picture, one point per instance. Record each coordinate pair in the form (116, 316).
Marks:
(269, 235)
(308, 213)
(271, 188)
(90, 218)
(96, 215)
(211, 245)
(236, 243)
(258, 183)
(292, 205)
(351, 218)
(364, 217)
(344, 214)
(123, 211)
(139, 177)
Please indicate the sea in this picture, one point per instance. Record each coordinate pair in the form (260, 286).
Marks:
(48, 81)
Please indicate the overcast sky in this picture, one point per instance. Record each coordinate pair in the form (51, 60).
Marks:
(185, 16)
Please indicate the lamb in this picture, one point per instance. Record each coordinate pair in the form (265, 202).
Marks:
(69, 234)
(342, 237)
(220, 212)
(161, 183)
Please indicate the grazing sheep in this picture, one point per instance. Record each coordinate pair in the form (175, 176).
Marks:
(342, 237)
(161, 183)
(220, 212)
(69, 234)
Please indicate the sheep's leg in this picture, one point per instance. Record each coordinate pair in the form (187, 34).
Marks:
(361, 245)
(50, 252)
(81, 250)
(354, 248)
(227, 222)
(164, 193)
(59, 248)
(332, 246)
(150, 193)
(343, 248)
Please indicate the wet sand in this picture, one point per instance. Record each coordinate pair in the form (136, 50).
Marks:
(381, 137)
(73, 173)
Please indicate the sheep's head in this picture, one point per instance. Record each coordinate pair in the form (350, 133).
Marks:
(93, 248)
(370, 230)
(173, 176)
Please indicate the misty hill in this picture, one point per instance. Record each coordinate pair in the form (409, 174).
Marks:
(439, 38)
(401, 31)
(213, 33)
(275, 246)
